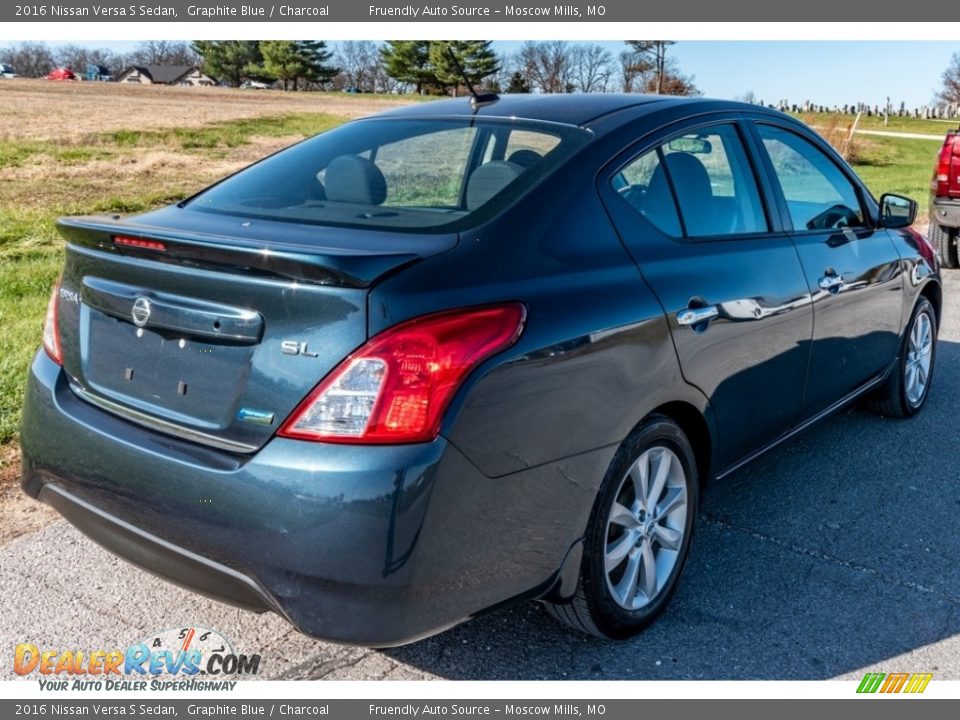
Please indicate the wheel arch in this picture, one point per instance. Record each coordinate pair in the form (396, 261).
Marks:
(698, 430)
(934, 293)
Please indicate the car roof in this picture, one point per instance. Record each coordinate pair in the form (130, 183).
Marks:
(579, 109)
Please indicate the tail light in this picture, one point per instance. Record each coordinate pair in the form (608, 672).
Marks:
(396, 387)
(51, 327)
(947, 171)
(139, 243)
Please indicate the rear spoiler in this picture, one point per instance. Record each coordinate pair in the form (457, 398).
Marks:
(336, 266)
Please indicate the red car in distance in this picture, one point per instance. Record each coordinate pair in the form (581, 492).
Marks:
(61, 74)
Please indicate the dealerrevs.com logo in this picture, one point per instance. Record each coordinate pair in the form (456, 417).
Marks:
(890, 683)
(185, 658)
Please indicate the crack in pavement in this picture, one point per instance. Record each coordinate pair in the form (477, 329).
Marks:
(711, 519)
(308, 668)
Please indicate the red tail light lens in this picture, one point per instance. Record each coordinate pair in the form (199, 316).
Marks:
(396, 387)
(948, 163)
(51, 327)
(139, 243)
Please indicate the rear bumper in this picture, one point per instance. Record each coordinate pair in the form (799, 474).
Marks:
(945, 213)
(372, 546)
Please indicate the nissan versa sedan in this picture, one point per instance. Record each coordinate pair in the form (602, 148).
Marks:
(468, 353)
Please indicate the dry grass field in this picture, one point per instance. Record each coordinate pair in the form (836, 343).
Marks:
(44, 110)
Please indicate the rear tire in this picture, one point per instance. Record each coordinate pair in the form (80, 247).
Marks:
(639, 534)
(945, 241)
(905, 391)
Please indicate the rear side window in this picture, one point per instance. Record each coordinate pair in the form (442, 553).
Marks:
(644, 184)
(431, 174)
(819, 196)
(706, 175)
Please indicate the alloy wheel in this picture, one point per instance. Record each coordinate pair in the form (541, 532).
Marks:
(919, 356)
(645, 528)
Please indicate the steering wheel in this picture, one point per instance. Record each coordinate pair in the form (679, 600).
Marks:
(832, 217)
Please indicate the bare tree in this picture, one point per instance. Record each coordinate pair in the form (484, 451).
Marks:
(639, 74)
(383, 83)
(29, 59)
(78, 58)
(547, 66)
(358, 61)
(652, 55)
(163, 52)
(591, 68)
(950, 93)
(672, 82)
(631, 75)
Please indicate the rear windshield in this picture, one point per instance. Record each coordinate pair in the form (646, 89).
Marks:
(399, 174)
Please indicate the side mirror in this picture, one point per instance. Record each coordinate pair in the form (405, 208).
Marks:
(897, 211)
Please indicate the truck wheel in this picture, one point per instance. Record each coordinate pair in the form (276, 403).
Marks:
(945, 241)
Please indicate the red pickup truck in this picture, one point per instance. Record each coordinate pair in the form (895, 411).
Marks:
(945, 201)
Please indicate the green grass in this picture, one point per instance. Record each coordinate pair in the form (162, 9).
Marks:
(875, 122)
(31, 251)
(898, 165)
(229, 134)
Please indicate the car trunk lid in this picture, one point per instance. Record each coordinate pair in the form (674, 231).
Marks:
(174, 324)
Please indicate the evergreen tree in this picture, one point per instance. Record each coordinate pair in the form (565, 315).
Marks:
(518, 83)
(408, 61)
(476, 58)
(291, 61)
(315, 57)
(230, 60)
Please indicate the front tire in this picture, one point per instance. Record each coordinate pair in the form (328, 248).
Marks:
(945, 241)
(639, 534)
(906, 390)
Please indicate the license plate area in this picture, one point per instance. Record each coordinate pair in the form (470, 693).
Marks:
(166, 373)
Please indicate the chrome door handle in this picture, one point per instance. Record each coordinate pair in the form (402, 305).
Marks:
(831, 282)
(695, 316)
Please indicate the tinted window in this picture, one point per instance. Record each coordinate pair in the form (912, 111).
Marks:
(818, 194)
(710, 177)
(644, 185)
(397, 173)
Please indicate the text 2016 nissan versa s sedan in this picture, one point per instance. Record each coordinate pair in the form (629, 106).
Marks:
(458, 355)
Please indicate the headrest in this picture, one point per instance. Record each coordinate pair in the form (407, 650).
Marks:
(688, 172)
(527, 158)
(487, 180)
(354, 179)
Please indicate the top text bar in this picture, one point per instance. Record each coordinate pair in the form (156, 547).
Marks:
(615, 11)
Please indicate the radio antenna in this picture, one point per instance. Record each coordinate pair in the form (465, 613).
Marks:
(477, 100)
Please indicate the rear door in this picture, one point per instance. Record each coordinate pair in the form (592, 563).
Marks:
(851, 268)
(691, 213)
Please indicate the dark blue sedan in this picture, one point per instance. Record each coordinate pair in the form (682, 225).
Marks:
(464, 354)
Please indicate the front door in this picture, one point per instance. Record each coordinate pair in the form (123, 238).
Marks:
(852, 269)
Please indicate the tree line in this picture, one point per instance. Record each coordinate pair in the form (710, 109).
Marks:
(418, 66)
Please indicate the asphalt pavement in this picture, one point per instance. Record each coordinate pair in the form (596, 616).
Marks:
(833, 555)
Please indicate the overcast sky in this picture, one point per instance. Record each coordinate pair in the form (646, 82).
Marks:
(829, 73)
